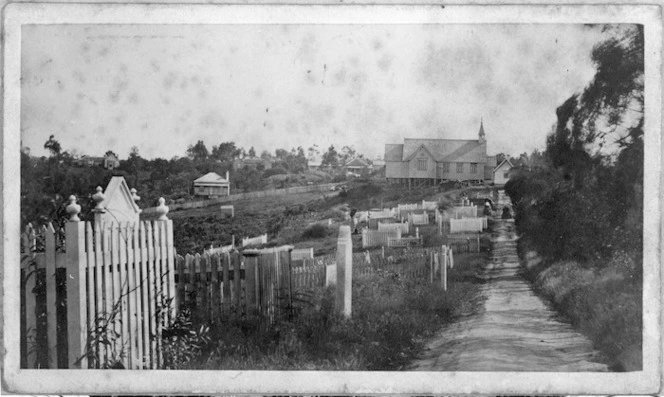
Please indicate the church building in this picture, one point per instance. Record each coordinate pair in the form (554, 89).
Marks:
(431, 161)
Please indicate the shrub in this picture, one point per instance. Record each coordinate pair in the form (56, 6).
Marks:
(315, 231)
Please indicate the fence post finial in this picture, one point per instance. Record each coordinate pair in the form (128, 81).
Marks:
(98, 198)
(134, 196)
(73, 209)
(162, 209)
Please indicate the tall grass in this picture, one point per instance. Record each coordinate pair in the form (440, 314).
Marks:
(392, 319)
(603, 302)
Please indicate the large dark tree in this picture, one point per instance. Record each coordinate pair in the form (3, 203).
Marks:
(197, 152)
(226, 151)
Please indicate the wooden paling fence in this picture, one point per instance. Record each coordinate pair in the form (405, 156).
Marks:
(411, 263)
(112, 283)
(464, 243)
(374, 238)
(404, 241)
(374, 222)
(219, 286)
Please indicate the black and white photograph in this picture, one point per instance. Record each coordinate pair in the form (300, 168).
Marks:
(316, 199)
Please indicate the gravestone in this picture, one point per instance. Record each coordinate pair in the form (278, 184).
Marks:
(117, 204)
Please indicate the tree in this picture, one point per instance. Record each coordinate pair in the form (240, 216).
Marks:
(252, 152)
(53, 146)
(330, 158)
(197, 152)
(347, 154)
(226, 151)
(313, 152)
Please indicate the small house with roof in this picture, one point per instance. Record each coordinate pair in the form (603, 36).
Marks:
(501, 173)
(429, 161)
(109, 161)
(212, 185)
(356, 166)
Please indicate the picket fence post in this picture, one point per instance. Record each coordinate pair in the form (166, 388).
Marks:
(76, 296)
(344, 271)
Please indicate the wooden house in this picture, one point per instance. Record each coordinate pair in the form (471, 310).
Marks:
(430, 161)
(501, 174)
(212, 185)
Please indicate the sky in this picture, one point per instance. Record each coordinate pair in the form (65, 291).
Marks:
(162, 88)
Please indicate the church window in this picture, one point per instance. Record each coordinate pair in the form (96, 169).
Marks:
(473, 168)
(446, 168)
(422, 164)
(459, 168)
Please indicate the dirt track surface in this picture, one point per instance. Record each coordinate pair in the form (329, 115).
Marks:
(514, 331)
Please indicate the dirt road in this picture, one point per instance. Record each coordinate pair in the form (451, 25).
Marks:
(514, 331)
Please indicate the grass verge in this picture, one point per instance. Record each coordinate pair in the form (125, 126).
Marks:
(603, 301)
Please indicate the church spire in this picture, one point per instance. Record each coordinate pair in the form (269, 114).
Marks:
(481, 134)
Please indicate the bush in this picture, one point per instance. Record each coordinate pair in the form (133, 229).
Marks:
(315, 231)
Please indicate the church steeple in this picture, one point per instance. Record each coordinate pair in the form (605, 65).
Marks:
(481, 134)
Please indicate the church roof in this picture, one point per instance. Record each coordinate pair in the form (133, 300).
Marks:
(393, 152)
(482, 129)
(447, 150)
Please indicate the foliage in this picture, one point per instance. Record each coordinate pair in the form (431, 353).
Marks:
(586, 203)
(315, 231)
(330, 158)
(197, 152)
(53, 146)
(226, 151)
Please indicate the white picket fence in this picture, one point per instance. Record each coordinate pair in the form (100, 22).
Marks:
(404, 227)
(361, 216)
(302, 253)
(468, 225)
(386, 213)
(375, 238)
(418, 219)
(463, 212)
(254, 240)
(429, 205)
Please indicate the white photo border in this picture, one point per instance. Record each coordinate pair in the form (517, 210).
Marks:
(55, 381)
